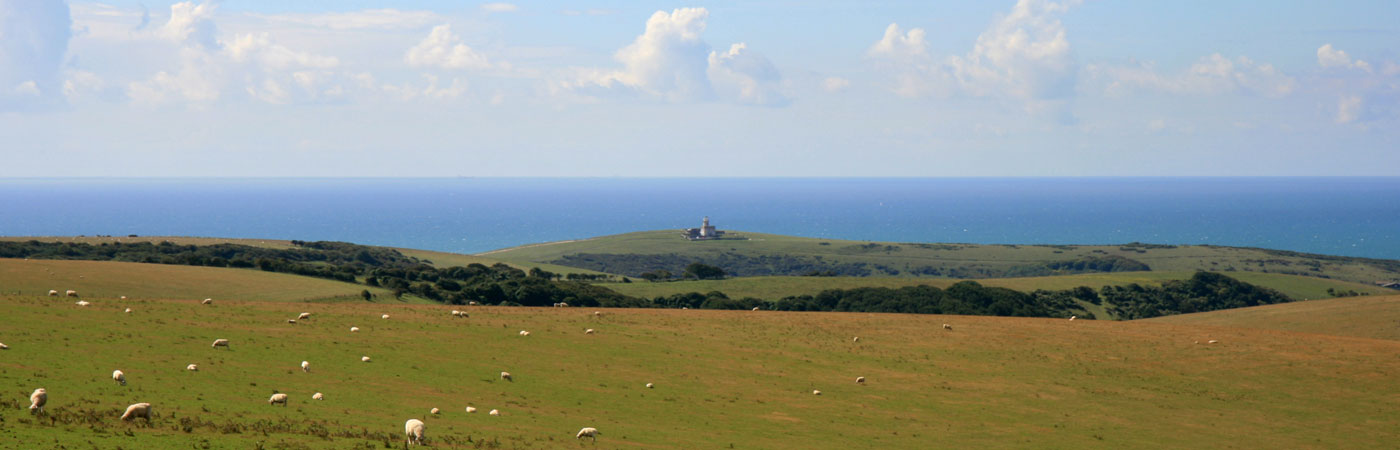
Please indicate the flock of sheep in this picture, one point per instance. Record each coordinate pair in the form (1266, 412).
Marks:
(413, 428)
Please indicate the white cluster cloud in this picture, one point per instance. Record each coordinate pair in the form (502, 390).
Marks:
(1329, 57)
(1211, 75)
(445, 50)
(34, 38)
(498, 7)
(192, 24)
(670, 60)
(1364, 95)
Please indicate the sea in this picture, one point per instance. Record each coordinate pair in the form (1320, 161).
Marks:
(1348, 216)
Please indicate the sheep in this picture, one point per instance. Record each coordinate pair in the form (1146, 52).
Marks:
(304, 316)
(1212, 341)
(471, 303)
(221, 343)
(318, 396)
(278, 398)
(649, 385)
(524, 333)
(860, 380)
(1071, 318)
(82, 303)
(354, 329)
(588, 331)
(207, 301)
(292, 321)
(71, 293)
(3, 346)
(138, 410)
(855, 339)
(123, 297)
(119, 377)
(456, 313)
(364, 359)
(755, 308)
(53, 293)
(588, 432)
(494, 413)
(947, 327)
(305, 366)
(37, 401)
(386, 316)
(597, 314)
(414, 430)
(506, 376)
(128, 310)
(433, 411)
(471, 410)
(192, 367)
(816, 392)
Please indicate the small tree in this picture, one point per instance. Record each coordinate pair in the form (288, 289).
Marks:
(367, 296)
(703, 272)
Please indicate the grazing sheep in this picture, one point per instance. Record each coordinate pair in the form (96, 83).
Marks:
(471, 410)
(494, 413)
(597, 314)
(192, 367)
(414, 430)
(354, 329)
(506, 376)
(947, 327)
(37, 400)
(433, 411)
(524, 333)
(71, 293)
(292, 321)
(278, 398)
(123, 297)
(220, 343)
(138, 410)
(755, 308)
(304, 316)
(1212, 341)
(364, 359)
(1071, 318)
(305, 366)
(128, 310)
(471, 303)
(53, 293)
(860, 380)
(588, 432)
(588, 331)
(318, 396)
(856, 339)
(207, 301)
(816, 392)
(82, 303)
(3, 346)
(119, 377)
(649, 385)
(386, 316)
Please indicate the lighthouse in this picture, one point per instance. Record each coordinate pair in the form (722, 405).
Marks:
(706, 231)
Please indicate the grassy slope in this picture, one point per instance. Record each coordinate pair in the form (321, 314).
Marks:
(742, 378)
(180, 240)
(773, 288)
(445, 259)
(1183, 258)
(1370, 317)
(109, 279)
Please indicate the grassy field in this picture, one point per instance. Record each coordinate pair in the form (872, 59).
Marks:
(1368, 317)
(723, 378)
(445, 259)
(969, 257)
(773, 288)
(109, 279)
(180, 240)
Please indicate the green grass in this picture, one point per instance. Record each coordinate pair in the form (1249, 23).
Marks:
(445, 259)
(773, 288)
(722, 378)
(179, 240)
(906, 256)
(1375, 317)
(110, 279)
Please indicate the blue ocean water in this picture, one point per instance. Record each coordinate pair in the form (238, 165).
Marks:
(1339, 216)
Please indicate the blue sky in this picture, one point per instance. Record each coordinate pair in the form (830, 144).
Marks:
(613, 88)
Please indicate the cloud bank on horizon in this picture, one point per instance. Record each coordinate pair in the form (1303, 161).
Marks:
(1024, 88)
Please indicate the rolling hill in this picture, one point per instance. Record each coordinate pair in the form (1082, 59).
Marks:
(110, 279)
(1368, 317)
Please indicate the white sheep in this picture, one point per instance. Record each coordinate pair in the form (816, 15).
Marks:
(292, 321)
(494, 413)
(123, 297)
(192, 367)
(53, 293)
(433, 411)
(947, 327)
(138, 410)
(471, 409)
(119, 377)
(364, 359)
(524, 333)
(207, 301)
(71, 293)
(471, 303)
(318, 396)
(855, 339)
(305, 366)
(3, 346)
(649, 385)
(278, 398)
(82, 303)
(354, 329)
(588, 432)
(816, 392)
(597, 314)
(456, 313)
(1071, 318)
(221, 343)
(1212, 341)
(588, 331)
(860, 380)
(304, 316)
(128, 310)
(37, 400)
(755, 308)
(386, 316)
(414, 430)
(506, 376)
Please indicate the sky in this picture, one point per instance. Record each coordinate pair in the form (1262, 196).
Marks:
(824, 88)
